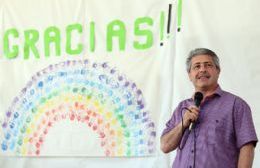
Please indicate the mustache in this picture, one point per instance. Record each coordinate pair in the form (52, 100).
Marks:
(204, 74)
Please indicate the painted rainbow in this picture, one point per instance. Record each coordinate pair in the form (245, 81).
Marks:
(85, 92)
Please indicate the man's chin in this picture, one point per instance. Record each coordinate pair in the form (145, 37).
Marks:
(203, 86)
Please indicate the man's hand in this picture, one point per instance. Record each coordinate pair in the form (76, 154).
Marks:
(191, 115)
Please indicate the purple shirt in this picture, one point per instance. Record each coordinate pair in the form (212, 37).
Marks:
(225, 124)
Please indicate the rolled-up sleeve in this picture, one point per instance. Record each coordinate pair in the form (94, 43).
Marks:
(174, 120)
(244, 126)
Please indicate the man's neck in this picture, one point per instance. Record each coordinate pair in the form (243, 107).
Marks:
(207, 91)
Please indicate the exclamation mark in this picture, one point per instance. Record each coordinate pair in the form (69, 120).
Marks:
(162, 20)
(92, 36)
(179, 15)
(169, 20)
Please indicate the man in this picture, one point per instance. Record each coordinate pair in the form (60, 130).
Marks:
(223, 134)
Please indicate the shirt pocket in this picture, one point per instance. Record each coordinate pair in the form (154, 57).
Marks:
(217, 131)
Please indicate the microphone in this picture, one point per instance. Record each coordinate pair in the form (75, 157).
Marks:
(197, 100)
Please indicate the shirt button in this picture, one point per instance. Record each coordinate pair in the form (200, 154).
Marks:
(192, 151)
(190, 167)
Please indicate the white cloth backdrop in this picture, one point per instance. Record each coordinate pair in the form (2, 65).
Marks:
(228, 27)
(85, 79)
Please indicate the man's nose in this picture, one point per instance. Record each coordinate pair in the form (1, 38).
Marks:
(202, 67)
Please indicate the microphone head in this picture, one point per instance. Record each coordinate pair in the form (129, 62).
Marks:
(198, 98)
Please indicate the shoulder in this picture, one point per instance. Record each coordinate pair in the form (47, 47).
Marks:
(185, 103)
(182, 105)
(238, 101)
(232, 95)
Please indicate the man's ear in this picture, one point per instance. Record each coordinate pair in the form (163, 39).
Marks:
(219, 71)
(189, 75)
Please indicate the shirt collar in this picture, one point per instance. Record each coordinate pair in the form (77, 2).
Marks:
(218, 92)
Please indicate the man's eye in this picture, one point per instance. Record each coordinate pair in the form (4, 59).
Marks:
(209, 65)
(196, 67)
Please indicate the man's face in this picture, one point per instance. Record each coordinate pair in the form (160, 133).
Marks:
(203, 73)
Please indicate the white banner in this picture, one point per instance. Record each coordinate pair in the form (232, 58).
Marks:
(85, 78)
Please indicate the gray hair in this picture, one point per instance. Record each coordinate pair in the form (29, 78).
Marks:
(202, 51)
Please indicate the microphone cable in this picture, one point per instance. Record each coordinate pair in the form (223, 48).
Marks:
(182, 129)
(194, 139)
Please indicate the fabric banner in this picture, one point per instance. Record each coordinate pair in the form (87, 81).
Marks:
(85, 77)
